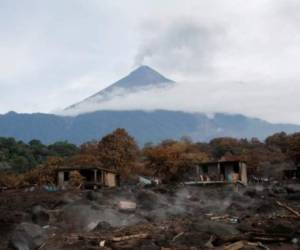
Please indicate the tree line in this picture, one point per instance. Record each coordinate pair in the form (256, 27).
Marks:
(167, 160)
(19, 157)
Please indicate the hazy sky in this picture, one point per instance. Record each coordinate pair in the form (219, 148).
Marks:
(234, 55)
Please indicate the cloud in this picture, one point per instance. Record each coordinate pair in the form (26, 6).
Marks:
(255, 99)
(46, 48)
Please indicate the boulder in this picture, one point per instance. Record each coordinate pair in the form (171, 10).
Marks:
(103, 226)
(95, 196)
(147, 200)
(80, 217)
(27, 236)
(40, 216)
(276, 189)
(127, 206)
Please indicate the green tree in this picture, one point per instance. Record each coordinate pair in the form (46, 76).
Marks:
(63, 149)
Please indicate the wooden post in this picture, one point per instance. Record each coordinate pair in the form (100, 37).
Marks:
(219, 172)
(103, 177)
(61, 179)
(243, 173)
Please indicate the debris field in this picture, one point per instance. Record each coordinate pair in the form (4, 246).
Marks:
(161, 217)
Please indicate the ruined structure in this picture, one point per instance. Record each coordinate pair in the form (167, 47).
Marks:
(218, 172)
(93, 176)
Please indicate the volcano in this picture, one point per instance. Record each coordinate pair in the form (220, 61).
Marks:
(141, 79)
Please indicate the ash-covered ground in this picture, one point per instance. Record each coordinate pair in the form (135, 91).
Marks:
(162, 217)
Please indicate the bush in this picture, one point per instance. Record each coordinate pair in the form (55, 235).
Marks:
(76, 179)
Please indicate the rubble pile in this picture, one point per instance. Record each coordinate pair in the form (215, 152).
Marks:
(159, 217)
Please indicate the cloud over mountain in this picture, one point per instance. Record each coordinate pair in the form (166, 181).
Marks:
(53, 55)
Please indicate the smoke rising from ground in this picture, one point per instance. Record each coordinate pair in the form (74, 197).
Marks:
(85, 215)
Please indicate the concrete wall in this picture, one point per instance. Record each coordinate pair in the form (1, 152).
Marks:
(60, 178)
(243, 173)
(110, 180)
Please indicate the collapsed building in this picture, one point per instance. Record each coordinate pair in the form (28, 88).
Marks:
(218, 172)
(93, 177)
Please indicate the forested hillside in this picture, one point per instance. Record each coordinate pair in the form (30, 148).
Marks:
(144, 126)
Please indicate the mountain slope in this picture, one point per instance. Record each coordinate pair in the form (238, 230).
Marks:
(144, 126)
(142, 78)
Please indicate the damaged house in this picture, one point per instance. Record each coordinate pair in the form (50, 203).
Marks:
(218, 172)
(94, 177)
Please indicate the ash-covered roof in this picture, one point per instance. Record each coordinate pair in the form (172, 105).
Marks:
(221, 162)
(85, 167)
